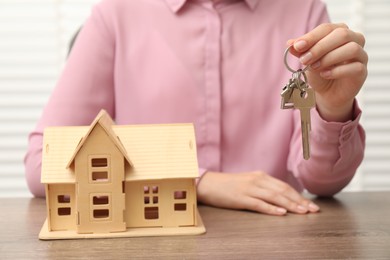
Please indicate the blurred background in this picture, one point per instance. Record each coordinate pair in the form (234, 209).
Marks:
(34, 38)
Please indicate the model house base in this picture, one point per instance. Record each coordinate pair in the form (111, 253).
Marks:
(199, 229)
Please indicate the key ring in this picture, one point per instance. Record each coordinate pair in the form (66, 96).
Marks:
(297, 77)
(286, 64)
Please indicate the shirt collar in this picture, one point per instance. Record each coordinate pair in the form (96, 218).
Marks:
(176, 5)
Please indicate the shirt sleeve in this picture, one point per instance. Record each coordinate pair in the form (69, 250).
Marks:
(337, 149)
(83, 89)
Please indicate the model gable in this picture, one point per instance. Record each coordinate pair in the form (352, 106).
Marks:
(100, 136)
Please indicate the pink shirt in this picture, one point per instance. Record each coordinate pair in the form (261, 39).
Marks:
(219, 66)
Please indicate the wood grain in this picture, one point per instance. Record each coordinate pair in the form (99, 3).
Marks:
(349, 226)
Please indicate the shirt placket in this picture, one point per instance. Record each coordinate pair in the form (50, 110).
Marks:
(213, 86)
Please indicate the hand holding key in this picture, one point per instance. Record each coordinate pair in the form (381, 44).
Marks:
(337, 65)
(297, 94)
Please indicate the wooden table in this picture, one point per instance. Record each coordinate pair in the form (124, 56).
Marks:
(350, 226)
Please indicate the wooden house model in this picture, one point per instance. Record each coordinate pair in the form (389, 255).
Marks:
(107, 180)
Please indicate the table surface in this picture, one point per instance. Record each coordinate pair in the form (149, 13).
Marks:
(352, 225)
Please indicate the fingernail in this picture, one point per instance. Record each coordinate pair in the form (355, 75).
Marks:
(326, 74)
(301, 209)
(305, 58)
(314, 207)
(281, 210)
(315, 65)
(289, 42)
(300, 45)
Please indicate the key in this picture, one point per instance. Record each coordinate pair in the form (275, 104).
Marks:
(287, 101)
(286, 94)
(304, 101)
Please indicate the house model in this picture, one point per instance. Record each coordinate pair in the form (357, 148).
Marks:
(107, 180)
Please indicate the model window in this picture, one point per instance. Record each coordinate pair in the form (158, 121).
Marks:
(101, 213)
(100, 205)
(180, 206)
(150, 194)
(64, 211)
(99, 169)
(151, 212)
(100, 176)
(63, 199)
(99, 162)
(180, 197)
(100, 200)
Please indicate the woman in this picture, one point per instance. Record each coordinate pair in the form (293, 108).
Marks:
(219, 64)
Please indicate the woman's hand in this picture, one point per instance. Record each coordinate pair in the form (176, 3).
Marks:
(338, 67)
(255, 191)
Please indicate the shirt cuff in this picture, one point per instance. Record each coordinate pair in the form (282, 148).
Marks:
(202, 172)
(335, 132)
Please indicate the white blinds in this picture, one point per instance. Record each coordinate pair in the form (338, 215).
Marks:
(33, 44)
(372, 17)
(34, 37)
(376, 96)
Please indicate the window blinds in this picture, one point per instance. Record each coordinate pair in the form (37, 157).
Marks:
(376, 95)
(372, 17)
(34, 39)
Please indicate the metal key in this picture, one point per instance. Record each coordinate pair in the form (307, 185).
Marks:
(286, 94)
(287, 100)
(304, 101)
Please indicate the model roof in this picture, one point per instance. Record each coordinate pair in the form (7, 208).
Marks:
(160, 151)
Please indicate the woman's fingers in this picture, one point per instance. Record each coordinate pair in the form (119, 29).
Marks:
(256, 191)
(261, 206)
(350, 52)
(280, 200)
(281, 194)
(323, 39)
